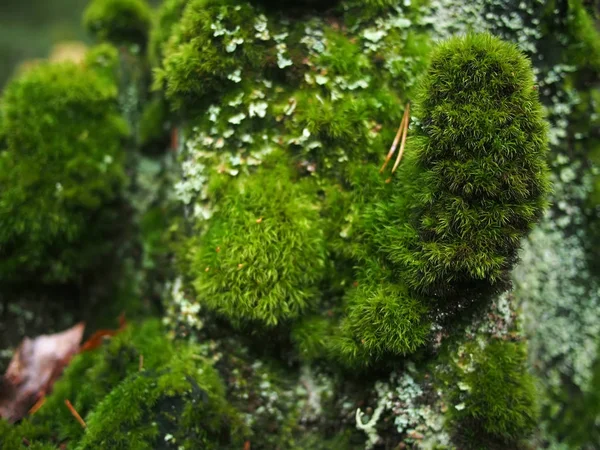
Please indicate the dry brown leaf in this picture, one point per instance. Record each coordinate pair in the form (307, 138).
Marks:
(34, 368)
(96, 339)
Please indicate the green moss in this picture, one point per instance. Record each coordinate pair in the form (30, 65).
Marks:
(361, 11)
(176, 400)
(167, 17)
(493, 406)
(213, 41)
(119, 21)
(479, 151)
(263, 253)
(57, 180)
(15, 436)
(382, 319)
(181, 406)
(104, 60)
(311, 337)
(92, 375)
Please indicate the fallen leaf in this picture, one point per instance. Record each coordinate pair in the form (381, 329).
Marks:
(96, 339)
(34, 368)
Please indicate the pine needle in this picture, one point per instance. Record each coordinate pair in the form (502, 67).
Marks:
(37, 405)
(396, 140)
(404, 127)
(75, 413)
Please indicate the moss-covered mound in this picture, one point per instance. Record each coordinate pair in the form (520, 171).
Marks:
(479, 179)
(263, 254)
(60, 170)
(140, 391)
(446, 225)
(449, 224)
(481, 146)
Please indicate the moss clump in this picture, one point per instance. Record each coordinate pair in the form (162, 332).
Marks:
(263, 253)
(311, 337)
(382, 319)
(119, 21)
(481, 177)
(494, 404)
(175, 400)
(182, 406)
(62, 168)
(213, 40)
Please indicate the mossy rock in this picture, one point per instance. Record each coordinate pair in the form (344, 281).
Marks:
(60, 183)
(318, 98)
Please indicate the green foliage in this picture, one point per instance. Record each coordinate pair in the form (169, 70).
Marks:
(213, 40)
(62, 167)
(481, 180)
(493, 405)
(119, 21)
(263, 253)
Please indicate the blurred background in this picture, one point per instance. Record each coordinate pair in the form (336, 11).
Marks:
(31, 29)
